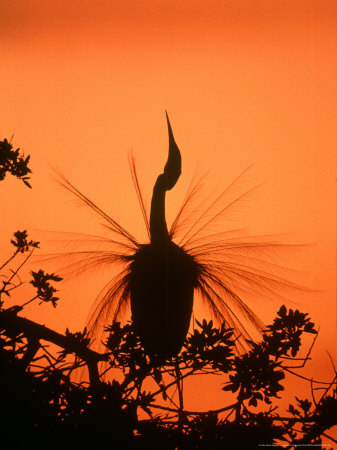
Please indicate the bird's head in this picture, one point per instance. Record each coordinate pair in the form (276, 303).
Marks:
(172, 169)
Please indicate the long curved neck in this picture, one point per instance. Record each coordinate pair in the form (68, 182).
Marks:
(158, 227)
(165, 182)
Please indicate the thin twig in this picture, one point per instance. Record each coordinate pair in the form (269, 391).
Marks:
(329, 437)
(306, 357)
(19, 267)
(305, 378)
(194, 413)
(29, 301)
(10, 259)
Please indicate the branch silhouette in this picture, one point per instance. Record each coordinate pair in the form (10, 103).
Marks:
(116, 406)
(126, 387)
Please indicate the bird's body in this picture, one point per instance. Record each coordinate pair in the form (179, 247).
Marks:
(162, 275)
(162, 282)
(161, 278)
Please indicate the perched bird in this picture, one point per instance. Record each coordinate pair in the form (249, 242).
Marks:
(162, 274)
(161, 278)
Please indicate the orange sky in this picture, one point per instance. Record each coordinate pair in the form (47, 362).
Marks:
(83, 82)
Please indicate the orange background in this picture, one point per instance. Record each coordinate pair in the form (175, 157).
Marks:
(83, 82)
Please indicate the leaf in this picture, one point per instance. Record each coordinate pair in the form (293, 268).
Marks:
(252, 402)
(229, 387)
(282, 311)
(293, 410)
(309, 328)
(157, 376)
(27, 184)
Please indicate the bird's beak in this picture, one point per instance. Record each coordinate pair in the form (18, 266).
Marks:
(172, 169)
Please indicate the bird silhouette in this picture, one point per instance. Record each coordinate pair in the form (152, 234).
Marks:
(162, 274)
(161, 278)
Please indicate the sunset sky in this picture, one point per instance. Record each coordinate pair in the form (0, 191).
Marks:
(83, 82)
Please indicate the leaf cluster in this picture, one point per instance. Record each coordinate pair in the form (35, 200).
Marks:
(21, 242)
(284, 335)
(45, 291)
(129, 400)
(208, 345)
(13, 162)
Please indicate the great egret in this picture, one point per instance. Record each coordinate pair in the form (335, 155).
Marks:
(160, 278)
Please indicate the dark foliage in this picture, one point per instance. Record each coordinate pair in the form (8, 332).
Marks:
(128, 401)
(13, 162)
